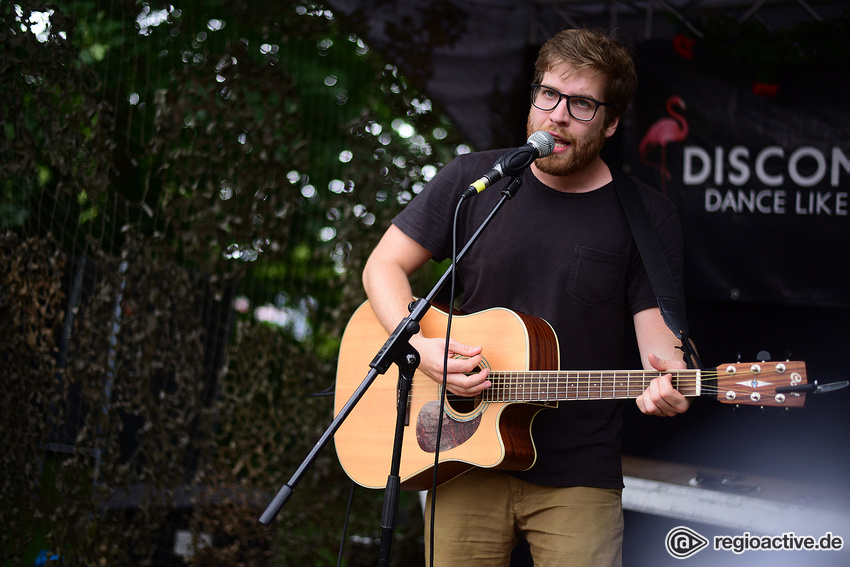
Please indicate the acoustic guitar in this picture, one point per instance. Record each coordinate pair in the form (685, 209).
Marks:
(493, 429)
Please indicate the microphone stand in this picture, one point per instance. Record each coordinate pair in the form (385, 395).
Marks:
(396, 349)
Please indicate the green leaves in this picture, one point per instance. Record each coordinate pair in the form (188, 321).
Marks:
(161, 165)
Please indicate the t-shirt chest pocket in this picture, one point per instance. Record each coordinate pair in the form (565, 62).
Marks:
(596, 277)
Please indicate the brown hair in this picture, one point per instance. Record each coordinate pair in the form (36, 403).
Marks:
(596, 49)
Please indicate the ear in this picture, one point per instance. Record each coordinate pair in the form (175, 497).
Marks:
(612, 127)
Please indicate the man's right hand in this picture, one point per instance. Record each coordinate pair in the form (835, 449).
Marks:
(464, 377)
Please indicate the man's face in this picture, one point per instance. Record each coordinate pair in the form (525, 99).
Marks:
(577, 143)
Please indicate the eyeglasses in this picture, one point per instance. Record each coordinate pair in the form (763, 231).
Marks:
(580, 107)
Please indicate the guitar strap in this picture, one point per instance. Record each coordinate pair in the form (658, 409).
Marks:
(669, 302)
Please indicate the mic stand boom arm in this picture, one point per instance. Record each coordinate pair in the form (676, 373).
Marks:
(396, 350)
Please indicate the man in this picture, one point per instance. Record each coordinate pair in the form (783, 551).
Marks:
(560, 250)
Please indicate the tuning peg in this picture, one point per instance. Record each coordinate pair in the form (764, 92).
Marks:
(763, 356)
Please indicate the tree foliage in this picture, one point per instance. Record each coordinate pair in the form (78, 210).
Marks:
(162, 164)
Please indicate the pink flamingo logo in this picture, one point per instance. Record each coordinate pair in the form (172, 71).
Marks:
(672, 128)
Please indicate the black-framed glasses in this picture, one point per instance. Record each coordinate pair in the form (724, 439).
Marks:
(580, 107)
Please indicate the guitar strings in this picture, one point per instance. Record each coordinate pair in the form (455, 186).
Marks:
(599, 384)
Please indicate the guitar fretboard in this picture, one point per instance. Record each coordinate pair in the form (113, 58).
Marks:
(554, 386)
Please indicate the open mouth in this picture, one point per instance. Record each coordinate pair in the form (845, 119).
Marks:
(560, 143)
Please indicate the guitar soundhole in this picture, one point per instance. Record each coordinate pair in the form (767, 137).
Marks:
(462, 405)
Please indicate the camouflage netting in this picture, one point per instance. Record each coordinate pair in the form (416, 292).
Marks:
(188, 198)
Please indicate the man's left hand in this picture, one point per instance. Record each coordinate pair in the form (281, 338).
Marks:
(661, 398)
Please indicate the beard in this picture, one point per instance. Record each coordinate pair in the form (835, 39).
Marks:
(582, 152)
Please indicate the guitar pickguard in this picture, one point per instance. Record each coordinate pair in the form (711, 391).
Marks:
(454, 433)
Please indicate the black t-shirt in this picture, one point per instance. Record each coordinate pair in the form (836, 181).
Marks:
(569, 258)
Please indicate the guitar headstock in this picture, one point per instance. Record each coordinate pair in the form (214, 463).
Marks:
(756, 383)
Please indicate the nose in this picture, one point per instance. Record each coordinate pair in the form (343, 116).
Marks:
(560, 114)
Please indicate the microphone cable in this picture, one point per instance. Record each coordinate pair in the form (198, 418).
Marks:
(444, 389)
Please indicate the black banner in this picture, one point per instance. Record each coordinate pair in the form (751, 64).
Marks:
(760, 172)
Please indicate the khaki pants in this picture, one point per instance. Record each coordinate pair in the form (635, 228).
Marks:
(480, 513)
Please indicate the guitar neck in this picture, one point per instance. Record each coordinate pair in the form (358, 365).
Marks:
(557, 386)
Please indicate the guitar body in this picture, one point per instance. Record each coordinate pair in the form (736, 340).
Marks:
(475, 433)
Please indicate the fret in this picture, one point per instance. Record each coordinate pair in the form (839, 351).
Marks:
(574, 393)
(636, 384)
(563, 389)
(640, 387)
(596, 385)
(521, 393)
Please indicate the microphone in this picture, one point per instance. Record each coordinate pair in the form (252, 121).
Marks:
(540, 144)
